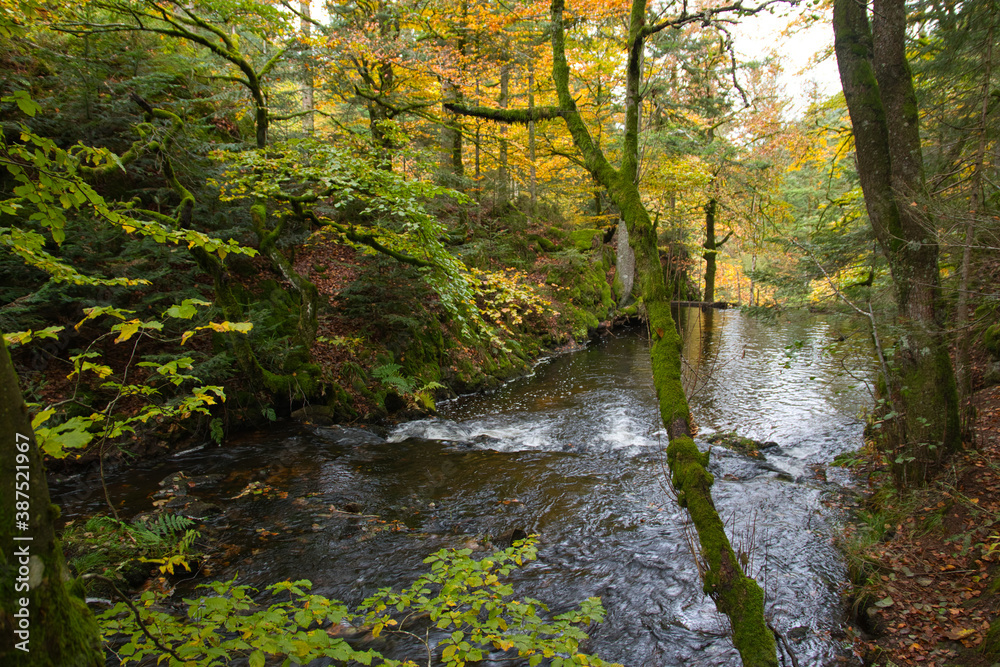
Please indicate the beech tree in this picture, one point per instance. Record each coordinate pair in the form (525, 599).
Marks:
(920, 417)
(735, 594)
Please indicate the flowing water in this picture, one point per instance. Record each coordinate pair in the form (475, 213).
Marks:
(573, 453)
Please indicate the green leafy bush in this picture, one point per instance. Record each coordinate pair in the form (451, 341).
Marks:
(459, 612)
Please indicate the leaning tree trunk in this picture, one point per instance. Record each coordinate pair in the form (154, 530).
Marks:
(43, 619)
(735, 594)
(921, 391)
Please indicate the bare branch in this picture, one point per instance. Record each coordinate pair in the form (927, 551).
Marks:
(706, 16)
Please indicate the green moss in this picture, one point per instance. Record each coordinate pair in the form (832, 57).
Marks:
(991, 646)
(632, 310)
(666, 360)
(556, 232)
(583, 239)
(582, 321)
(68, 636)
(544, 244)
(991, 340)
(732, 440)
(928, 426)
(607, 302)
(735, 594)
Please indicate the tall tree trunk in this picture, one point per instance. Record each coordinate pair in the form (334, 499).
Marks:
(502, 175)
(453, 165)
(711, 250)
(478, 171)
(309, 298)
(964, 343)
(307, 87)
(453, 130)
(44, 621)
(531, 137)
(878, 88)
(735, 594)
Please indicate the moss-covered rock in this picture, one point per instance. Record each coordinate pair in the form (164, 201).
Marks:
(738, 443)
(543, 244)
(557, 232)
(583, 293)
(991, 340)
(586, 239)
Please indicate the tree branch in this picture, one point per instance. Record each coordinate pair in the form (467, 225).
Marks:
(705, 16)
(138, 617)
(396, 110)
(506, 115)
(364, 239)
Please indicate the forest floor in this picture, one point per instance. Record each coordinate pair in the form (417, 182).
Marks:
(934, 574)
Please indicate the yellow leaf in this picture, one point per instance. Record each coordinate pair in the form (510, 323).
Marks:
(127, 330)
(42, 417)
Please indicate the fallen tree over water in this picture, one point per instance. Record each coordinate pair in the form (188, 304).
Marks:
(735, 594)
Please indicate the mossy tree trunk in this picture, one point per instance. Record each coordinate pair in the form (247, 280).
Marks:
(921, 391)
(735, 594)
(55, 627)
(309, 298)
(711, 246)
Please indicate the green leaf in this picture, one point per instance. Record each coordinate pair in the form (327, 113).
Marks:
(24, 102)
(186, 309)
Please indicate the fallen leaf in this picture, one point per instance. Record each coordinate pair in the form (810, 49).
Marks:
(956, 634)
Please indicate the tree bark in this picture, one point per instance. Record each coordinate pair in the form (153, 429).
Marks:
(921, 392)
(964, 344)
(711, 250)
(533, 176)
(309, 299)
(307, 87)
(44, 621)
(503, 178)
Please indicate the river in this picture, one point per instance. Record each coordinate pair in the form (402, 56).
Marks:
(573, 453)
